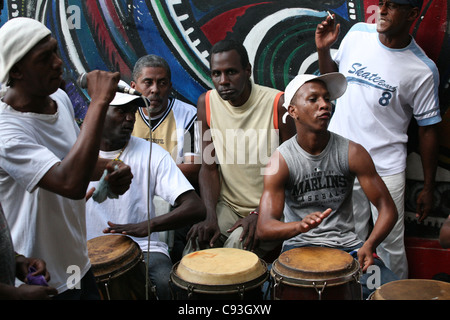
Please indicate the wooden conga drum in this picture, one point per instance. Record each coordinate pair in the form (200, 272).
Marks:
(412, 289)
(219, 273)
(316, 273)
(118, 267)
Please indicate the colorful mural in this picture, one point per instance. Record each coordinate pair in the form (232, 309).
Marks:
(279, 35)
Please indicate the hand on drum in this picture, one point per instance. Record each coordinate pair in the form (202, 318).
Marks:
(248, 225)
(365, 257)
(205, 233)
(132, 229)
(312, 220)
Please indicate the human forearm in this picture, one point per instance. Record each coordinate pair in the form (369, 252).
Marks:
(326, 63)
(326, 35)
(209, 182)
(429, 146)
(387, 218)
(188, 211)
(71, 176)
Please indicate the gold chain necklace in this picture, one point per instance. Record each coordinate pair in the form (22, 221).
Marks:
(121, 151)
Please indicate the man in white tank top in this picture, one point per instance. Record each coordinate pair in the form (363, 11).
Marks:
(310, 180)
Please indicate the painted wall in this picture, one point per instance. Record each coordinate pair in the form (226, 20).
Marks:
(279, 35)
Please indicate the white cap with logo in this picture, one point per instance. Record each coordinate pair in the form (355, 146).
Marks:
(336, 84)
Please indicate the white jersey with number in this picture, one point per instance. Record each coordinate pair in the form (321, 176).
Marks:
(386, 87)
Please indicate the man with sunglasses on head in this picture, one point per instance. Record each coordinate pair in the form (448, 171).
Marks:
(390, 80)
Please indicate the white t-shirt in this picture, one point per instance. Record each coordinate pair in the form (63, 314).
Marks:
(43, 224)
(166, 181)
(386, 87)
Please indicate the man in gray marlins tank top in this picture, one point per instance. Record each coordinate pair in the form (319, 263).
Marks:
(311, 176)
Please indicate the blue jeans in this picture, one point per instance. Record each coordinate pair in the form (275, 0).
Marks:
(367, 280)
(159, 269)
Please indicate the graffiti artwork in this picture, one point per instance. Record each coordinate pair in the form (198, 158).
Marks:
(279, 36)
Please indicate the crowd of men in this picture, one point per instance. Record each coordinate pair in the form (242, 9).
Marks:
(234, 169)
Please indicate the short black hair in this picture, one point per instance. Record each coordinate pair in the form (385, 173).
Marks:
(228, 45)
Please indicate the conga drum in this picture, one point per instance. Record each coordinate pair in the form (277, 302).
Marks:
(118, 267)
(412, 289)
(315, 273)
(219, 273)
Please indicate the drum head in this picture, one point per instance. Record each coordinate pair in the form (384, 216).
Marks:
(413, 289)
(113, 255)
(315, 264)
(220, 266)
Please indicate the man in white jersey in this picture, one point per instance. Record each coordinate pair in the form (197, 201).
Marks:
(242, 123)
(155, 173)
(172, 121)
(46, 162)
(310, 179)
(390, 79)
(173, 126)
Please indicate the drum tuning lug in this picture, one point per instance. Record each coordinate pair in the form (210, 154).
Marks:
(276, 284)
(190, 290)
(357, 277)
(107, 288)
(240, 291)
(319, 291)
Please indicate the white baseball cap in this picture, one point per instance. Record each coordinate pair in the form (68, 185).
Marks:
(17, 37)
(335, 81)
(124, 98)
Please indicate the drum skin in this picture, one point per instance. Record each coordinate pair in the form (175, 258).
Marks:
(219, 274)
(413, 289)
(315, 273)
(118, 267)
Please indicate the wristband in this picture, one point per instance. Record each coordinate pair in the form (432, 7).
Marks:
(254, 212)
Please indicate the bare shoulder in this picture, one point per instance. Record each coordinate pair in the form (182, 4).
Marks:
(359, 159)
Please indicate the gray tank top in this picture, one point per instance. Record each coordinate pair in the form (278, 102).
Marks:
(318, 182)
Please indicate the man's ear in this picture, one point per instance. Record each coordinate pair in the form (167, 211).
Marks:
(248, 70)
(413, 14)
(15, 73)
(133, 84)
(292, 111)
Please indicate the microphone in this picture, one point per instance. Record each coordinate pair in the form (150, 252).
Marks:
(82, 83)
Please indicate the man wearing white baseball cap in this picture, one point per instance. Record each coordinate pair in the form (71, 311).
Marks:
(310, 179)
(390, 81)
(335, 83)
(46, 162)
(155, 173)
